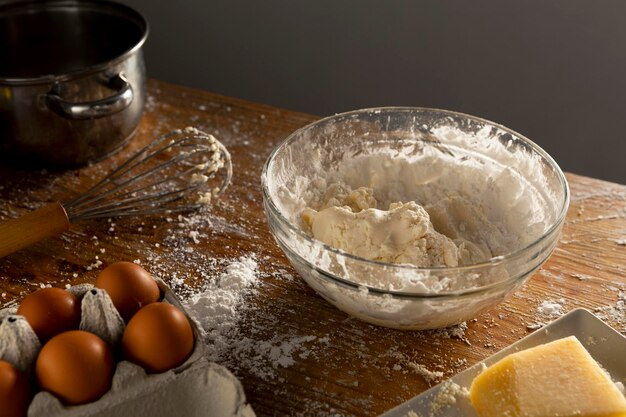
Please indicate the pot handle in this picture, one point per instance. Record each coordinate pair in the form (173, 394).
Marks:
(94, 109)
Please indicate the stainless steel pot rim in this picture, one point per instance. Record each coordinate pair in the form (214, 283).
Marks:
(98, 5)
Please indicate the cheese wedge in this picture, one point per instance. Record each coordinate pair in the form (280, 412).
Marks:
(555, 379)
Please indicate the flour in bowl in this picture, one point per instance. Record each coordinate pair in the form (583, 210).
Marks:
(425, 209)
(413, 224)
(404, 233)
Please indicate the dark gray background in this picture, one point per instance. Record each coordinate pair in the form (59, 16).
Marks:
(552, 70)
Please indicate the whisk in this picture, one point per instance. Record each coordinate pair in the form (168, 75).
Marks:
(171, 174)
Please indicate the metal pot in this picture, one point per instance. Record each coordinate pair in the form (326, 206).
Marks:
(72, 79)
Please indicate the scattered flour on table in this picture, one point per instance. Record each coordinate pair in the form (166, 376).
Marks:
(217, 307)
(547, 311)
(407, 364)
(581, 277)
(222, 309)
(615, 313)
(429, 376)
(452, 332)
(219, 310)
(550, 308)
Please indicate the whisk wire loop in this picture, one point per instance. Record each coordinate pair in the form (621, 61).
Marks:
(161, 177)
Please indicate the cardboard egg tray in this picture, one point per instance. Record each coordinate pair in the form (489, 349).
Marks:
(197, 388)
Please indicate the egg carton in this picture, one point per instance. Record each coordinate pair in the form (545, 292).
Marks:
(197, 388)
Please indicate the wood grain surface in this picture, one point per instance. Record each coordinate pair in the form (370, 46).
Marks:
(336, 365)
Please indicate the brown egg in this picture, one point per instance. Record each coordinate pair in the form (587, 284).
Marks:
(159, 337)
(50, 311)
(15, 391)
(129, 286)
(75, 366)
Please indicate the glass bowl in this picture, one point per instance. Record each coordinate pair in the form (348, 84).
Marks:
(427, 155)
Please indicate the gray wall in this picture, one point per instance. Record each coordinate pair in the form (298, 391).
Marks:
(552, 70)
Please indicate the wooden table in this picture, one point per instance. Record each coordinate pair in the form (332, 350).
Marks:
(339, 365)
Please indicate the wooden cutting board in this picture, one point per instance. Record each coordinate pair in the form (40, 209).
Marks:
(294, 353)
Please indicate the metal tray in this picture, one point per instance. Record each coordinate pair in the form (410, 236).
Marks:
(602, 342)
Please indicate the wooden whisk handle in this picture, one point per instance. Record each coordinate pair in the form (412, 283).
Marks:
(47, 221)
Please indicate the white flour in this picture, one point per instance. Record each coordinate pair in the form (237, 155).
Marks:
(479, 189)
(457, 205)
(428, 375)
(551, 308)
(217, 308)
(351, 220)
(469, 198)
(447, 396)
(615, 313)
(220, 310)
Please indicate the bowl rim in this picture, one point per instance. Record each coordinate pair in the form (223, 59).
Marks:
(493, 261)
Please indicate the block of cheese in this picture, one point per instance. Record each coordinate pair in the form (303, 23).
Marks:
(559, 378)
